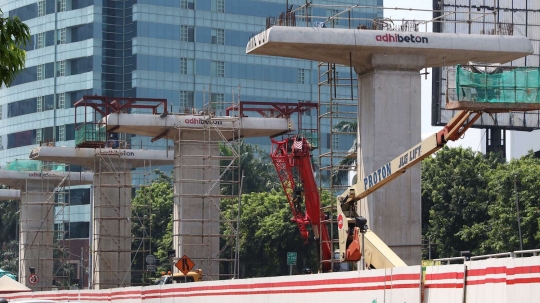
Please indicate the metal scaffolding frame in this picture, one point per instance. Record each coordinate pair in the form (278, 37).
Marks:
(214, 175)
(114, 185)
(53, 195)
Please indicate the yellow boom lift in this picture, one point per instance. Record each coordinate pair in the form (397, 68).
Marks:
(350, 225)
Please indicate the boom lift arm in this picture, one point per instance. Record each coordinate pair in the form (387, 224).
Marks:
(378, 255)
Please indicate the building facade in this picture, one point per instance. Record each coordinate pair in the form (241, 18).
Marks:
(190, 52)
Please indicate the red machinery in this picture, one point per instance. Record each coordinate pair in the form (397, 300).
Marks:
(293, 157)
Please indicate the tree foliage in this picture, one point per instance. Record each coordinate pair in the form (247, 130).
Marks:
(13, 35)
(518, 179)
(266, 235)
(9, 238)
(152, 218)
(468, 202)
(257, 167)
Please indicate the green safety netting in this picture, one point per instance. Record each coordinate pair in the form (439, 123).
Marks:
(34, 165)
(25, 165)
(6, 273)
(90, 133)
(515, 85)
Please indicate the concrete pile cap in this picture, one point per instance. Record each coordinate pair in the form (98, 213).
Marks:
(334, 45)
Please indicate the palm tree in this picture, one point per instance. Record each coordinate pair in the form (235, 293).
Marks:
(340, 174)
(13, 35)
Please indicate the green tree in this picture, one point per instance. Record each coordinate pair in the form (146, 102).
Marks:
(9, 238)
(259, 172)
(502, 227)
(455, 199)
(152, 218)
(14, 34)
(266, 235)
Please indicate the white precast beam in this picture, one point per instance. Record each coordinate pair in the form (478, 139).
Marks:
(334, 45)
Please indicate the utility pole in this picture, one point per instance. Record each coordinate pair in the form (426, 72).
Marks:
(518, 217)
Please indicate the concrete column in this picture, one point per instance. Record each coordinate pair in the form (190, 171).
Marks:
(36, 233)
(389, 124)
(111, 235)
(196, 205)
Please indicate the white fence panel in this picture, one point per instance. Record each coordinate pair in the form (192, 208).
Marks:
(444, 284)
(403, 282)
(486, 281)
(523, 280)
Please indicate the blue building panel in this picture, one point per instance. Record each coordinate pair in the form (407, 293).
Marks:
(152, 56)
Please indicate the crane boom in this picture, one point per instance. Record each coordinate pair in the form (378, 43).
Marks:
(292, 158)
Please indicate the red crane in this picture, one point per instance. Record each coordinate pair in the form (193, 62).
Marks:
(293, 157)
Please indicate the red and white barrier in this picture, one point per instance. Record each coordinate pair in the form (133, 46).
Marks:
(486, 281)
(523, 280)
(380, 286)
(444, 284)
(504, 280)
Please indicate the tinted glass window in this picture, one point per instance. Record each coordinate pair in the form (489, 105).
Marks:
(28, 74)
(22, 107)
(81, 65)
(26, 12)
(81, 32)
(76, 4)
(19, 139)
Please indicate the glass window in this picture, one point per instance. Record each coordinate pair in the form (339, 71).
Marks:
(49, 38)
(187, 4)
(186, 100)
(333, 13)
(218, 36)
(61, 5)
(218, 6)
(39, 104)
(61, 36)
(59, 230)
(38, 136)
(62, 133)
(25, 13)
(41, 72)
(187, 33)
(23, 138)
(41, 8)
(301, 76)
(62, 100)
(40, 40)
(217, 100)
(183, 66)
(217, 68)
(61, 68)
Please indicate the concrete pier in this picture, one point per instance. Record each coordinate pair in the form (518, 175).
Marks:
(388, 124)
(196, 232)
(388, 64)
(111, 209)
(37, 220)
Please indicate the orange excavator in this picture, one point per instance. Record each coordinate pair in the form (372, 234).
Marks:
(293, 161)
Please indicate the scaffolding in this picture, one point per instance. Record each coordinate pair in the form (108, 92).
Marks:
(206, 175)
(45, 225)
(490, 17)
